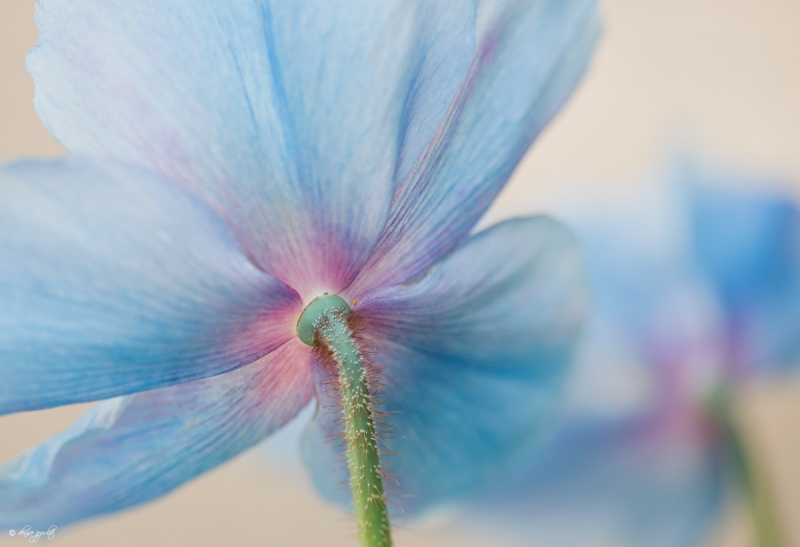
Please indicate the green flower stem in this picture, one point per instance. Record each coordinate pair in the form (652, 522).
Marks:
(752, 476)
(325, 322)
(757, 487)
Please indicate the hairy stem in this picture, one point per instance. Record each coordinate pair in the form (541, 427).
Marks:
(331, 329)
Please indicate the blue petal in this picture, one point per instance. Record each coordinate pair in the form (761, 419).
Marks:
(284, 115)
(132, 449)
(112, 281)
(606, 483)
(522, 63)
(472, 355)
(298, 120)
(748, 243)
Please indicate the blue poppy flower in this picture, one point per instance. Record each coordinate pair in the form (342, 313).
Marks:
(234, 160)
(695, 291)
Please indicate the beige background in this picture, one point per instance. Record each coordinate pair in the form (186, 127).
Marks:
(719, 76)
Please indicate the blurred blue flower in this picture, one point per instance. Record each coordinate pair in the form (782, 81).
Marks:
(747, 244)
(235, 160)
(695, 288)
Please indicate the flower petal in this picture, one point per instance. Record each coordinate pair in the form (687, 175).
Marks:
(748, 243)
(132, 449)
(315, 112)
(522, 64)
(474, 353)
(608, 484)
(284, 115)
(112, 281)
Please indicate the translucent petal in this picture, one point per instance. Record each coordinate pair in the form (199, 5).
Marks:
(113, 281)
(304, 122)
(284, 115)
(473, 354)
(523, 63)
(131, 449)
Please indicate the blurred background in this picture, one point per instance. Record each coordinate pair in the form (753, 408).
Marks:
(719, 78)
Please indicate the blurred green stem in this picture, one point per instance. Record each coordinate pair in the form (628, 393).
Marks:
(752, 475)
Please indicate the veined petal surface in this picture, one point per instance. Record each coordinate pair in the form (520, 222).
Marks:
(473, 354)
(284, 115)
(524, 59)
(131, 449)
(113, 281)
(304, 122)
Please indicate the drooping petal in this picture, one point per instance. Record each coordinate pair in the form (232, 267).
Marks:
(525, 60)
(608, 484)
(474, 353)
(132, 449)
(748, 243)
(284, 115)
(113, 281)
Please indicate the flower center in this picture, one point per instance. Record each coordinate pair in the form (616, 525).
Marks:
(315, 312)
